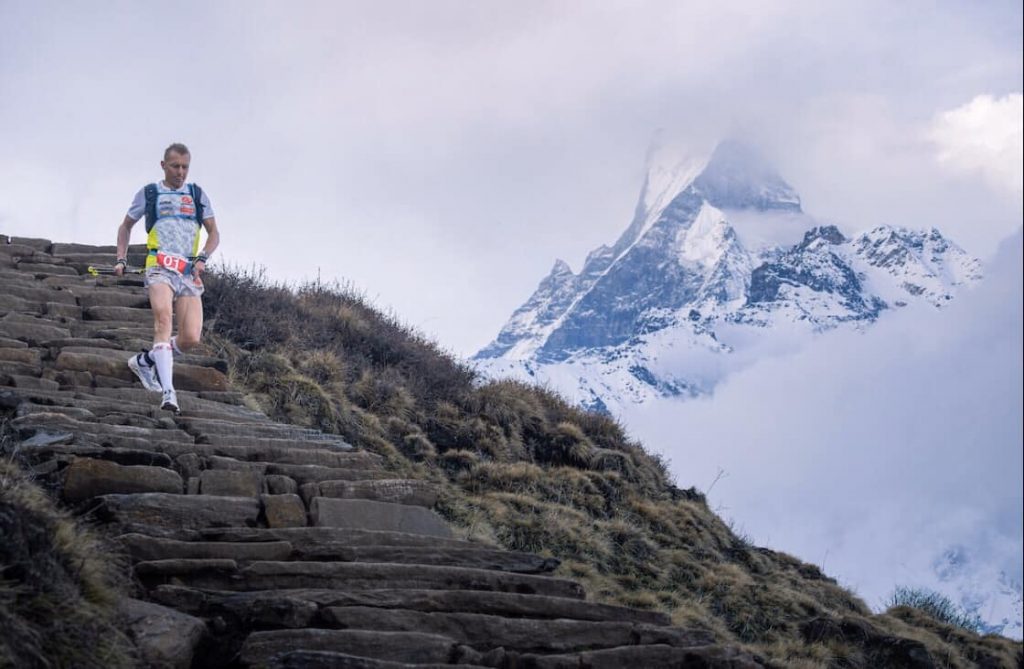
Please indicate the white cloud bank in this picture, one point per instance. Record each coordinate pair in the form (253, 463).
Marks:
(871, 454)
(984, 136)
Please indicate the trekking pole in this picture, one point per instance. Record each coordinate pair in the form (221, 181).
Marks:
(110, 272)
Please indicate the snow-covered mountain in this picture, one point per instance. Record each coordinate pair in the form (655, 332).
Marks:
(719, 265)
(970, 580)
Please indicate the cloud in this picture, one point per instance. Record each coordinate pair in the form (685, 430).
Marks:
(872, 453)
(984, 136)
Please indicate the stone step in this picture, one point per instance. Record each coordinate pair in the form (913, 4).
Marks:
(412, 492)
(19, 305)
(35, 292)
(293, 608)
(240, 428)
(105, 297)
(366, 514)
(313, 440)
(260, 648)
(21, 381)
(653, 656)
(228, 575)
(475, 557)
(33, 331)
(311, 540)
(114, 364)
(485, 632)
(166, 510)
(202, 400)
(66, 452)
(142, 316)
(143, 548)
(325, 659)
(86, 478)
(92, 342)
(52, 421)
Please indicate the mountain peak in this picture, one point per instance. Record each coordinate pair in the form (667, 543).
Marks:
(739, 177)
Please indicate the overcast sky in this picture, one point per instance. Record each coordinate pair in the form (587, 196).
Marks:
(441, 155)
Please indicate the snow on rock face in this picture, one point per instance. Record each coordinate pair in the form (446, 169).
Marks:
(663, 310)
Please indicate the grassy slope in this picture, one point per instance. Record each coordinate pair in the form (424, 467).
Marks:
(525, 470)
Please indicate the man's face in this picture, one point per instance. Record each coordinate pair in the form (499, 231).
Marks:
(175, 169)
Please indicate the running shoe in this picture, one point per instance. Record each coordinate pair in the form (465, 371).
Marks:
(146, 374)
(170, 401)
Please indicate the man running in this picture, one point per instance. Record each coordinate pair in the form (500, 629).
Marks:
(175, 212)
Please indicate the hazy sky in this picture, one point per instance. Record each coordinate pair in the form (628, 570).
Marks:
(442, 155)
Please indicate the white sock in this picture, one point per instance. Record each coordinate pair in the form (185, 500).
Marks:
(174, 346)
(163, 360)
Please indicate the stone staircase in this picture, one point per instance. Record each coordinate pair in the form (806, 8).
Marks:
(258, 544)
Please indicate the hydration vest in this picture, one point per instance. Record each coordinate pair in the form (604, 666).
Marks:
(151, 194)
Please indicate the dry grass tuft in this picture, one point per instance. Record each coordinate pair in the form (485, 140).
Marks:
(58, 583)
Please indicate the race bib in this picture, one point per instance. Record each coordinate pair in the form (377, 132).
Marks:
(176, 264)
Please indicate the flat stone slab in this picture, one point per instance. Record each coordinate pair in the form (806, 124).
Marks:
(311, 539)
(179, 511)
(59, 421)
(122, 456)
(412, 647)
(144, 548)
(86, 478)
(325, 659)
(476, 557)
(369, 576)
(34, 333)
(709, 657)
(397, 491)
(506, 604)
(122, 314)
(485, 632)
(371, 515)
(32, 291)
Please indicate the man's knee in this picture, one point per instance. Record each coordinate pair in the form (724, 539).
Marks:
(187, 340)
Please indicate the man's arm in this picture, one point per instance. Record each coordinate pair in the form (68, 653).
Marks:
(124, 232)
(212, 241)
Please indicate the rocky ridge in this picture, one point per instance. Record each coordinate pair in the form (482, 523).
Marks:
(258, 544)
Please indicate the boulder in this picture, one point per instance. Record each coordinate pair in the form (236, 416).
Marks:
(284, 510)
(164, 637)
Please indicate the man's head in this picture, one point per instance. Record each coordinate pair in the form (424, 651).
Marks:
(175, 165)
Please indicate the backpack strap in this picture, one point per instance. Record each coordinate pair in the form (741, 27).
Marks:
(150, 192)
(197, 199)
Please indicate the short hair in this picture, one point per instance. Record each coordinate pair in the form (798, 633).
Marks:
(178, 148)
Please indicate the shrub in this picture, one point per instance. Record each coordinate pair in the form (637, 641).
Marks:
(936, 605)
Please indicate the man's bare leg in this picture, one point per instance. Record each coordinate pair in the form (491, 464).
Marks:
(190, 322)
(161, 301)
